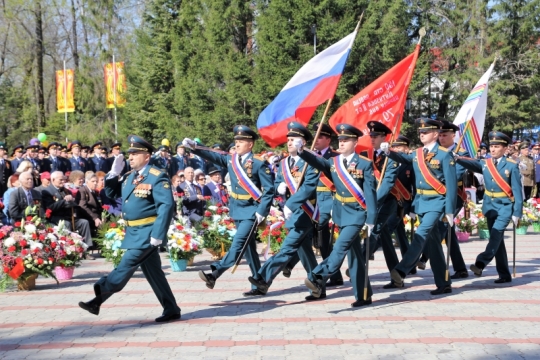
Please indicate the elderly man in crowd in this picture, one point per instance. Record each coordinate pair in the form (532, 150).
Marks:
(62, 204)
(23, 197)
(194, 202)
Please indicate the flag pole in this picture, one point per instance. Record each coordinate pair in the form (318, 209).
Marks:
(114, 94)
(65, 101)
(422, 33)
(327, 108)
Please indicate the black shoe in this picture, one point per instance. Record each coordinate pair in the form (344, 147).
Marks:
(254, 292)
(442, 290)
(287, 272)
(260, 284)
(421, 265)
(413, 271)
(397, 278)
(316, 289)
(209, 279)
(372, 257)
(392, 285)
(502, 280)
(348, 273)
(313, 298)
(359, 303)
(460, 275)
(165, 318)
(476, 270)
(332, 283)
(91, 306)
(162, 249)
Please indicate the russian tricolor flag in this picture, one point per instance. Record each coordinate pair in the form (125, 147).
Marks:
(315, 83)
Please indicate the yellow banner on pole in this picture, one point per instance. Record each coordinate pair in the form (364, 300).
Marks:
(65, 90)
(115, 84)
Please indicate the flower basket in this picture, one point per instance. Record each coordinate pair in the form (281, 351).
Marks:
(64, 273)
(462, 236)
(178, 265)
(522, 230)
(536, 227)
(27, 283)
(483, 233)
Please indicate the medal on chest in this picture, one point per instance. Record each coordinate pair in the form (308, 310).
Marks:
(142, 190)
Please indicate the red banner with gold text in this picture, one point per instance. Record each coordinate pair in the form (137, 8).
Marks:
(383, 100)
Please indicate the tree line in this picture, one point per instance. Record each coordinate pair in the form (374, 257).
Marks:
(197, 68)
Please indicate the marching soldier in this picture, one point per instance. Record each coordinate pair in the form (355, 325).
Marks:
(395, 222)
(503, 202)
(76, 161)
(251, 196)
(526, 165)
(148, 209)
(388, 195)
(299, 211)
(325, 198)
(435, 175)
(354, 205)
(17, 156)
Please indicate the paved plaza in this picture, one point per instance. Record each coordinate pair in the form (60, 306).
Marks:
(479, 320)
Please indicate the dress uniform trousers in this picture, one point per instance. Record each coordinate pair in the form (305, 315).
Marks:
(428, 232)
(243, 227)
(395, 225)
(381, 234)
(150, 262)
(348, 243)
(496, 247)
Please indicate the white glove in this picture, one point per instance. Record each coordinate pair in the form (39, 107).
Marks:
(259, 218)
(450, 219)
(117, 166)
(515, 220)
(273, 159)
(282, 188)
(187, 142)
(298, 144)
(155, 242)
(369, 229)
(522, 166)
(385, 147)
(412, 216)
(287, 213)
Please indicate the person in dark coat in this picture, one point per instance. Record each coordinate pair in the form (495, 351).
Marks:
(87, 200)
(6, 169)
(23, 197)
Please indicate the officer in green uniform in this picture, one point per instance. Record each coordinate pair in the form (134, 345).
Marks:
(325, 199)
(435, 174)
(503, 202)
(355, 204)
(387, 195)
(300, 211)
(252, 192)
(147, 209)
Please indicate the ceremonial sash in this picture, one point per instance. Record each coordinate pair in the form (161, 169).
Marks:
(394, 191)
(462, 193)
(402, 190)
(431, 180)
(309, 208)
(499, 179)
(243, 180)
(348, 181)
(327, 182)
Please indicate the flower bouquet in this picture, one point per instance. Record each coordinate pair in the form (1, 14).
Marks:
(275, 232)
(184, 243)
(69, 249)
(218, 230)
(110, 241)
(26, 251)
(407, 223)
